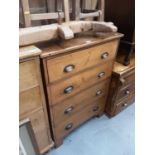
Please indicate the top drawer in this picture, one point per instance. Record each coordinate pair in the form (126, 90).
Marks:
(127, 78)
(69, 64)
(28, 77)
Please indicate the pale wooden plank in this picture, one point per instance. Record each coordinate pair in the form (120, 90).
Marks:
(28, 51)
(33, 35)
(43, 16)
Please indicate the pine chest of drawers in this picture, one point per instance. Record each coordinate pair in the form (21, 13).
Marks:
(122, 88)
(77, 75)
(31, 97)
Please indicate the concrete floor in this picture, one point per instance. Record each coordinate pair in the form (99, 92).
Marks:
(102, 136)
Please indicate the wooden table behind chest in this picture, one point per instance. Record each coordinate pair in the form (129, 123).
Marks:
(31, 96)
(77, 75)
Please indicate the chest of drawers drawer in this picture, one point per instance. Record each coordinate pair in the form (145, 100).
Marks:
(127, 79)
(124, 103)
(94, 108)
(126, 91)
(67, 65)
(69, 87)
(71, 106)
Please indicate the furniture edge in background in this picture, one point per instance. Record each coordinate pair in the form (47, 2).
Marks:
(31, 107)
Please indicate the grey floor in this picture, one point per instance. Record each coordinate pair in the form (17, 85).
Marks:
(102, 136)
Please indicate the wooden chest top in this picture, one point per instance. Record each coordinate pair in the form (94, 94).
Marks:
(53, 48)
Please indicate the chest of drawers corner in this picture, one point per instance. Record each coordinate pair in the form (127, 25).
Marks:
(122, 88)
(77, 75)
(31, 97)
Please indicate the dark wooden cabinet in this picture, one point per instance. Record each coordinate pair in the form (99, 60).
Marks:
(122, 88)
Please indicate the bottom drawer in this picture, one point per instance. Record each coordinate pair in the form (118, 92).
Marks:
(95, 108)
(124, 104)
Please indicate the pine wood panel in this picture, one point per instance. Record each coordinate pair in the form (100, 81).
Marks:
(40, 130)
(29, 100)
(28, 75)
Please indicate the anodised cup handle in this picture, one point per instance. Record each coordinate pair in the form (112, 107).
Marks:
(125, 105)
(95, 108)
(69, 126)
(101, 75)
(127, 92)
(68, 110)
(105, 55)
(68, 90)
(99, 92)
(69, 68)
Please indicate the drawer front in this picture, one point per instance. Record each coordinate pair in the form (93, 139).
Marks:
(69, 87)
(29, 100)
(64, 66)
(40, 129)
(28, 76)
(126, 91)
(127, 79)
(73, 105)
(124, 104)
(64, 128)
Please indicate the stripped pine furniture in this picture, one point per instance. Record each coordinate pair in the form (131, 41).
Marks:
(77, 74)
(31, 97)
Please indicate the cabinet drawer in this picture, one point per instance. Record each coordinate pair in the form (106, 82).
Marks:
(126, 91)
(71, 106)
(40, 129)
(28, 76)
(124, 104)
(69, 64)
(29, 100)
(65, 127)
(128, 78)
(69, 87)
